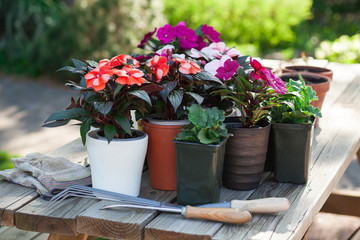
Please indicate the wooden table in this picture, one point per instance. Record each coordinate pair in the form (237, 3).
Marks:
(335, 142)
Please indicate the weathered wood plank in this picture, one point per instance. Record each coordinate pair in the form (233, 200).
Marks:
(332, 152)
(169, 226)
(122, 223)
(11, 233)
(345, 202)
(41, 215)
(12, 197)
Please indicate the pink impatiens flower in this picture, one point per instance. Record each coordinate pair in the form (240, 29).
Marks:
(262, 73)
(187, 66)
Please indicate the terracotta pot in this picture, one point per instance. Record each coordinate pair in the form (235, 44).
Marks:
(319, 84)
(310, 69)
(161, 154)
(245, 155)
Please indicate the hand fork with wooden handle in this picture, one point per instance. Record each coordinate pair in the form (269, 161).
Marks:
(226, 215)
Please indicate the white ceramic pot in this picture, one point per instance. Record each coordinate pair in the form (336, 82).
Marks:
(117, 166)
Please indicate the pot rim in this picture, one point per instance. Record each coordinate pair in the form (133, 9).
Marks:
(93, 134)
(150, 119)
(321, 69)
(203, 145)
(307, 74)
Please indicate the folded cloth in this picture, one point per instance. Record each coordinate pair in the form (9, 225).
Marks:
(49, 175)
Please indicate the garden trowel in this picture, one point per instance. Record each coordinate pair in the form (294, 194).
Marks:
(226, 215)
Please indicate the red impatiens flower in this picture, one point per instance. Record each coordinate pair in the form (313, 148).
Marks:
(159, 66)
(98, 77)
(129, 76)
(122, 59)
(187, 66)
(262, 73)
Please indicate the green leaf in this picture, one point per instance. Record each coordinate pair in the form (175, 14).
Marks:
(206, 76)
(117, 89)
(92, 63)
(79, 64)
(73, 85)
(206, 136)
(175, 97)
(123, 122)
(199, 99)
(57, 123)
(83, 82)
(141, 94)
(84, 129)
(71, 69)
(109, 131)
(215, 116)
(168, 87)
(72, 113)
(197, 116)
(103, 107)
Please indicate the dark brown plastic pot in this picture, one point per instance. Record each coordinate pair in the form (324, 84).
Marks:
(161, 154)
(310, 69)
(245, 155)
(319, 84)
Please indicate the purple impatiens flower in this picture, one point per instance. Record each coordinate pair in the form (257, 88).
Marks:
(211, 34)
(187, 36)
(200, 43)
(166, 34)
(228, 70)
(146, 38)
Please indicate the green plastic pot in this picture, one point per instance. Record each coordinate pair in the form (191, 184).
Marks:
(199, 172)
(289, 151)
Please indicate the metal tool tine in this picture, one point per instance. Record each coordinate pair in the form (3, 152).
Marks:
(93, 193)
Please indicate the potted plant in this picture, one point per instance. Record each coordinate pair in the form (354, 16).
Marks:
(311, 69)
(180, 81)
(318, 83)
(290, 137)
(254, 93)
(200, 150)
(108, 91)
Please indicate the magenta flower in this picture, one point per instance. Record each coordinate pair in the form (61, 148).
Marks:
(146, 38)
(166, 34)
(200, 43)
(211, 34)
(228, 70)
(276, 83)
(187, 36)
(262, 73)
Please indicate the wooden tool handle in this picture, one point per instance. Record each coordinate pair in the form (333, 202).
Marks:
(264, 205)
(228, 215)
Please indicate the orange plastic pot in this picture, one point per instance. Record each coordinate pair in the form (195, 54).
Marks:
(161, 154)
(310, 69)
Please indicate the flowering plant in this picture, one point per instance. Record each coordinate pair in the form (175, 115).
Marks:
(178, 80)
(202, 47)
(108, 91)
(253, 92)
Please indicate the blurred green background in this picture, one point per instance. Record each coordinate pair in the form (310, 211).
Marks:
(40, 36)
